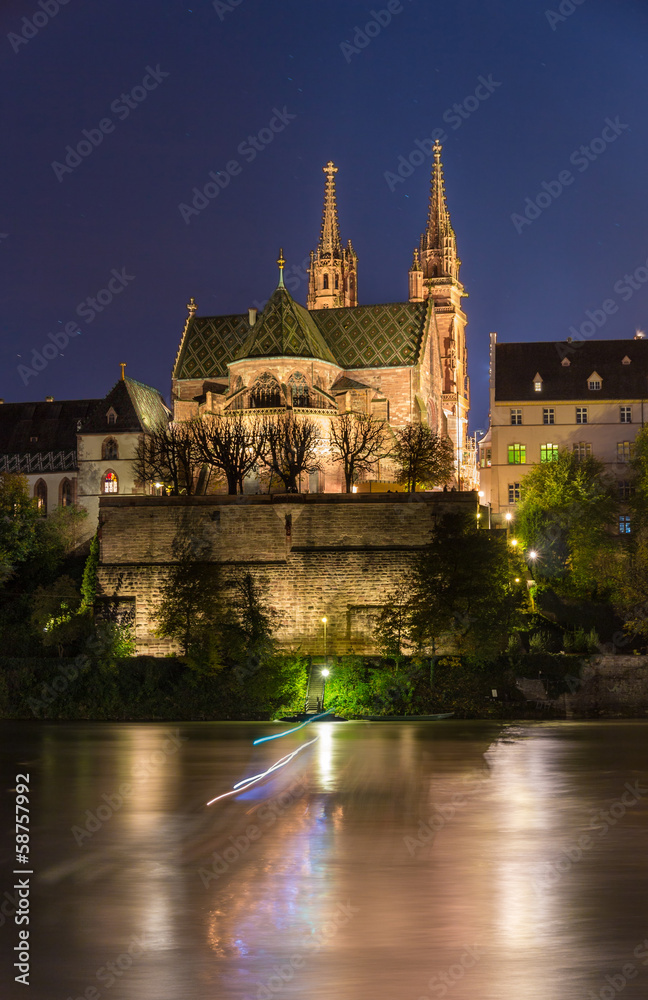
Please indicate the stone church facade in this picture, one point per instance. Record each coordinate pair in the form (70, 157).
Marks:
(402, 362)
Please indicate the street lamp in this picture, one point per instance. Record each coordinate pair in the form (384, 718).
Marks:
(514, 542)
(508, 516)
(325, 674)
(533, 555)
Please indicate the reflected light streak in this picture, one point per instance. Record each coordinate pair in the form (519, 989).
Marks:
(264, 739)
(241, 785)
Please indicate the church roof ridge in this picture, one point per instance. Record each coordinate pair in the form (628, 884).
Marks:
(285, 328)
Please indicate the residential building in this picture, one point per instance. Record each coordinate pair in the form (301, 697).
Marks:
(587, 396)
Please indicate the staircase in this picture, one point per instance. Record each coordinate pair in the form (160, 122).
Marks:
(315, 686)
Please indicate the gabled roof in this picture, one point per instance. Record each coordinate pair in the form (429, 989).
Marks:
(285, 328)
(343, 383)
(373, 336)
(138, 407)
(54, 425)
(517, 364)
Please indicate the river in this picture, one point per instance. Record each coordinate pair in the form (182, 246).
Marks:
(384, 861)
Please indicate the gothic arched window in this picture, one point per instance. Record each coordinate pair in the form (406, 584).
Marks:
(337, 282)
(300, 389)
(110, 449)
(325, 281)
(110, 483)
(40, 495)
(66, 493)
(266, 391)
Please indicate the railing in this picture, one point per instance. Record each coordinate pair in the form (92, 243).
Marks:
(51, 461)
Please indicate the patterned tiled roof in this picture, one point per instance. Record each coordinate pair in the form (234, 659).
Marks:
(285, 328)
(356, 337)
(373, 336)
(209, 344)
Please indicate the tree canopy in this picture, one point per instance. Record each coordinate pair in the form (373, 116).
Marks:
(566, 510)
(423, 459)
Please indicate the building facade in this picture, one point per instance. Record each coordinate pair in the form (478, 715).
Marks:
(75, 451)
(402, 362)
(589, 397)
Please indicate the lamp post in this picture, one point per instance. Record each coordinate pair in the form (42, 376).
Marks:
(325, 673)
(324, 621)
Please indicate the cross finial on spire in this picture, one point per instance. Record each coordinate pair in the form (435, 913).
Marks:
(191, 306)
(122, 365)
(281, 262)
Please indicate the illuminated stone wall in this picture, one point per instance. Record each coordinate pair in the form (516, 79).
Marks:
(316, 555)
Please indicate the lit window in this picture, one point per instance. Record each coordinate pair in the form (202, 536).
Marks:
(548, 452)
(594, 383)
(625, 414)
(516, 417)
(625, 451)
(517, 454)
(40, 495)
(537, 386)
(626, 489)
(513, 493)
(548, 415)
(485, 460)
(581, 414)
(624, 524)
(110, 483)
(583, 449)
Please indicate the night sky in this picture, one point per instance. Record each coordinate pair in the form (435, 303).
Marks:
(217, 74)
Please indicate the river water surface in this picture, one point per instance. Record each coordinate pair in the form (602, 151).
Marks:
(385, 861)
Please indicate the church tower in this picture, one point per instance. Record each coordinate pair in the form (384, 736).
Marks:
(333, 271)
(435, 273)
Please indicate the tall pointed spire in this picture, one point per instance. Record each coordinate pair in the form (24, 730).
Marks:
(332, 278)
(330, 234)
(438, 242)
(434, 275)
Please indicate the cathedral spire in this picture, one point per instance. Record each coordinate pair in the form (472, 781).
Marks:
(332, 277)
(330, 234)
(438, 221)
(438, 242)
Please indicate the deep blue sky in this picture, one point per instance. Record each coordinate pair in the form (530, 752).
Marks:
(119, 208)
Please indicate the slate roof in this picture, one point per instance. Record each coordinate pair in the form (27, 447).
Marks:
(54, 425)
(353, 337)
(517, 364)
(138, 407)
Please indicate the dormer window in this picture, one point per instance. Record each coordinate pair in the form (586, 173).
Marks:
(565, 362)
(626, 360)
(111, 416)
(537, 382)
(594, 382)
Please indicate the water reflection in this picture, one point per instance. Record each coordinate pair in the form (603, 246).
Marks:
(385, 861)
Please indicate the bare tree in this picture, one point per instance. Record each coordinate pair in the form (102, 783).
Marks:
(169, 455)
(358, 442)
(290, 448)
(231, 443)
(422, 457)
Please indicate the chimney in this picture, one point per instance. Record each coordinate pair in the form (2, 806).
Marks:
(252, 315)
(49, 399)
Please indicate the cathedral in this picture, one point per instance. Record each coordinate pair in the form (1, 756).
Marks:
(402, 362)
